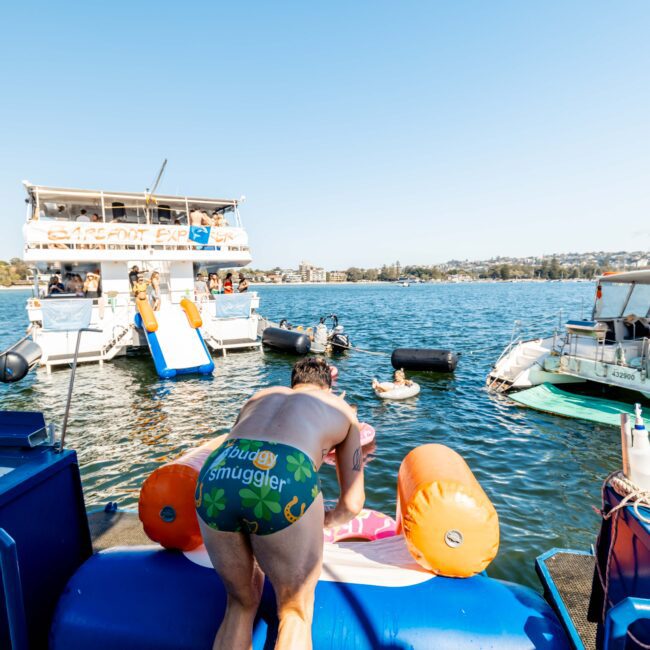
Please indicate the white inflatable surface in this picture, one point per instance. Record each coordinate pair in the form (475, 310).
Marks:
(397, 392)
(179, 343)
(382, 563)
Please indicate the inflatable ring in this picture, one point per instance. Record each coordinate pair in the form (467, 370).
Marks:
(367, 526)
(366, 435)
(391, 391)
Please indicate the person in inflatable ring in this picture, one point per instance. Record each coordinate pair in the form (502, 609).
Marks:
(260, 507)
(399, 379)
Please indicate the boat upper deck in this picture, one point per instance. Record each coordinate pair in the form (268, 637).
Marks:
(73, 225)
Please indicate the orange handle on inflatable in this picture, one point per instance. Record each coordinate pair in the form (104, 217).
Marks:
(166, 507)
(147, 314)
(192, 313)
(449, 524)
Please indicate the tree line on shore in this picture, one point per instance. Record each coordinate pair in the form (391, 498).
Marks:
(15, 271)
(547, 270)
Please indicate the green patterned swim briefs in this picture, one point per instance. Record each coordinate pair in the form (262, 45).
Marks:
(255, 487)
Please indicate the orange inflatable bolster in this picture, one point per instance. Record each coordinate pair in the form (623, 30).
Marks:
(166, 507)
(192, 313)
(450, 526)
(147, 314)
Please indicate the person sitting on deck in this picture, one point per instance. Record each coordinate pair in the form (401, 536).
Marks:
(399, 379)
(55, 286)
(91, 285)
(83, 216)
(260, 508)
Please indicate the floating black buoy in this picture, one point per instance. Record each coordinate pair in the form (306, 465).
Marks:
(286, 340)
(17, 361)
(424, 360)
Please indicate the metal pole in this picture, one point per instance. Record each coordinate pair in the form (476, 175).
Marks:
(64, 427)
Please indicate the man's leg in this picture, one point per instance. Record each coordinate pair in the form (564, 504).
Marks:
(232, 557)
(292, 560)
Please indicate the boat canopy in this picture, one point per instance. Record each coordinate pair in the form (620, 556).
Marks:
(638, 277)
(622, 295)
(65, 204)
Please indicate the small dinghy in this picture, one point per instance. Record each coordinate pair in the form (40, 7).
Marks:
(390, 390)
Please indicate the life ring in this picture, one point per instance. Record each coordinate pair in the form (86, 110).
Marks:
(334, 371)
(366, 435)
(391, 391)
(368, 525)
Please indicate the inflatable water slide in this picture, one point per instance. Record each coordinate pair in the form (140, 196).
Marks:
(174, 338)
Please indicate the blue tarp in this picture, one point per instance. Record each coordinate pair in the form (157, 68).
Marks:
(62, 315)
(233, 305)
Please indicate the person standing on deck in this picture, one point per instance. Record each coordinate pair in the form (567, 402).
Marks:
(260, 507)
(227, 284)
(243, 284)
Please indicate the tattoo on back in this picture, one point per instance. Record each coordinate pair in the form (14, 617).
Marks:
(356, 460)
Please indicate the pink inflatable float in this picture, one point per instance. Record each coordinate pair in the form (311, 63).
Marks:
(368, 525)
(367, 434)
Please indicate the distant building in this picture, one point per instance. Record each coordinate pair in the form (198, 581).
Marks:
(337, 276)
(289, 275)
(310, 273)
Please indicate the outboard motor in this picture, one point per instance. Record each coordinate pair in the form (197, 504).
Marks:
(18, 360)
(338, 340)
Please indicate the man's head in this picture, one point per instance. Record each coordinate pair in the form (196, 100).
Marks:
(312, 370)
(400, 376)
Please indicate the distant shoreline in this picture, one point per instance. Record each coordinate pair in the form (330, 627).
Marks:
(21, 287)
(412, 283)
(29, 287)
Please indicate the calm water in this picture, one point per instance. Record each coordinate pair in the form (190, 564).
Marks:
(542, 472)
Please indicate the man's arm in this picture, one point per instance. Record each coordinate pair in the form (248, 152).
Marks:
(349, 470)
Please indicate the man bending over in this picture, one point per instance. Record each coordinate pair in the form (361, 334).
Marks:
(260, 507)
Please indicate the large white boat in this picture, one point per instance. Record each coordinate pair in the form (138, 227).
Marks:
(612, 348)
(71, 233)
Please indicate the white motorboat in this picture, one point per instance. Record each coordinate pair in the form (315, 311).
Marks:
(73, 234)
(612, 348)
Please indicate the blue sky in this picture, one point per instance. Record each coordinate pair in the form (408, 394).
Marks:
(360, 132)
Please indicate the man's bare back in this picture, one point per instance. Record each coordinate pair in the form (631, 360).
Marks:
(305, 417)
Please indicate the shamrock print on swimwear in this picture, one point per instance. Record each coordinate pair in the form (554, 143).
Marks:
(249, 445)
(264, 501)
(299, 466)
(215, 501)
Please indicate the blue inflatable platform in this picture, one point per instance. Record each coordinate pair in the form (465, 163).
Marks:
(371, 595)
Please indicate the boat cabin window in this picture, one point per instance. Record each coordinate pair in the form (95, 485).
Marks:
(612, 302)
(639, 301)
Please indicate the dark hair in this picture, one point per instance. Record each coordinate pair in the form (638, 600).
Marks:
(312, 370)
